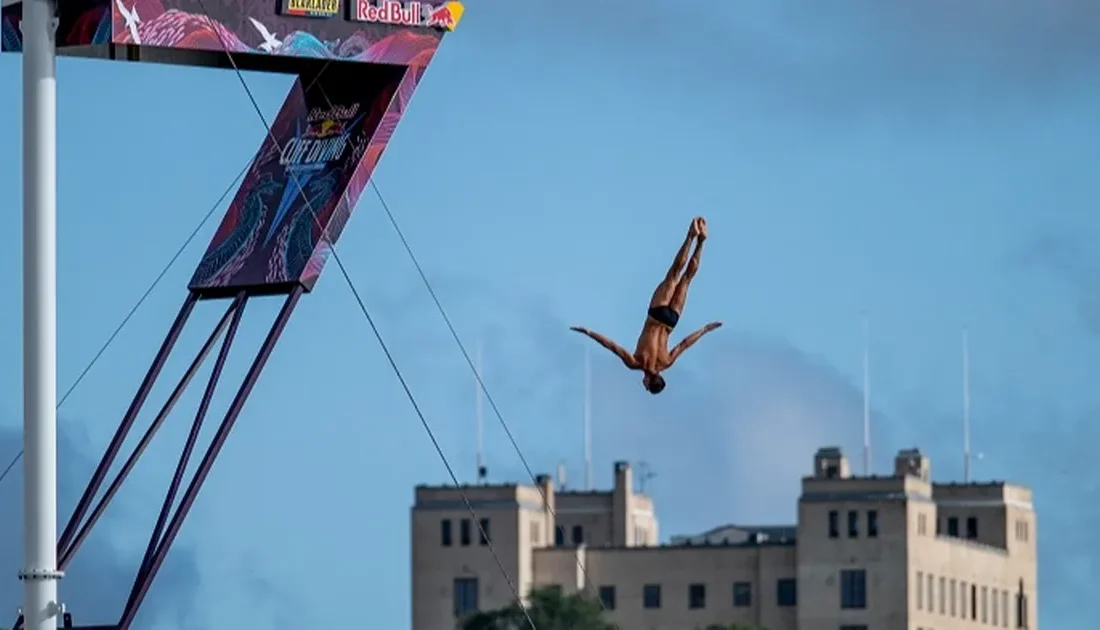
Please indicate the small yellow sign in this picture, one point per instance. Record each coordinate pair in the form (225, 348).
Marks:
(311, 8)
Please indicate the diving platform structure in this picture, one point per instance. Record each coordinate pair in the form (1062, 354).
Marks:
(358, 63)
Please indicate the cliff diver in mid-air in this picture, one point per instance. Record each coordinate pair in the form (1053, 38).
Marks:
(652, 355)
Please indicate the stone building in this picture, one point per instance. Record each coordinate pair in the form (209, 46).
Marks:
(877, 552)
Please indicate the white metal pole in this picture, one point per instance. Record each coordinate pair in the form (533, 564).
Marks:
(866, 396)
(479, 415)
(966, 405)
(587, 421)
(39, 575)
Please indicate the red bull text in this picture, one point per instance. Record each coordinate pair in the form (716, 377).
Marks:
(403, 14)
(324, 138)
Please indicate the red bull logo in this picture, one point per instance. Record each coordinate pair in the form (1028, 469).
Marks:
(444, 16)
(325, 128)
(324, 137)
(324, 123)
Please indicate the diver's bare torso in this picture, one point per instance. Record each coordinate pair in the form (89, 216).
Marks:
(652, 355)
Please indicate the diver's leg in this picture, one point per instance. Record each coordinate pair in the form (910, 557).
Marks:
(681, 258)
(664, 291)
(680, 291)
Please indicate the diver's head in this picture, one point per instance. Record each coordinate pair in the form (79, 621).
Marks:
(654, 383)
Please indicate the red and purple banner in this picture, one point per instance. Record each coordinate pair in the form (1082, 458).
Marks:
(259, 27)
(80, 23)
(366, 31)
(304, 181)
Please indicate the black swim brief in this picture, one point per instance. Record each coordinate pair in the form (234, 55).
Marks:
(665, 315)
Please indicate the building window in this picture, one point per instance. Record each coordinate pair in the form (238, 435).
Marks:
(850, 627)
(742, 594)
(920, 590)
(483, 532)
(853, 589)
(834, 524)
(973, 602)
(964, 597)
(559, 536)
(1021, 607)
(922, 524)
(445, 532)
(578, 535)
(786, 592)
(1025, 531)
(651, 596)
(994, 605)
(872, 523)
(536, 534)
(607, 596)
(954, 593)
(853, 524)
(971, 527)
(464, 532)
(953, 526)
(1004, 608)
(465, 596)
(931, 593)
(985, 604)
(697, 596)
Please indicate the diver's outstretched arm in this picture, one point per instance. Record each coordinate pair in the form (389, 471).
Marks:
(627, 358)
(690, 340)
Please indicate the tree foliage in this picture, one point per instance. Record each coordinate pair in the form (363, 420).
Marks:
(549, 609)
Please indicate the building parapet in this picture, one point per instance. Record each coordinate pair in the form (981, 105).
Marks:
(748, 544)
(1001, 491)
(732, 533)
(972, 544)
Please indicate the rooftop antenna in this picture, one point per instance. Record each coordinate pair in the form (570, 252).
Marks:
(479, 412)
(587, 421)
(645, 473)
(966, 405)
(866, 396)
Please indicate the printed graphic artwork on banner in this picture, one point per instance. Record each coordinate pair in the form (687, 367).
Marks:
(311, 151)
(298, 194)
(310, 8)
(444, 16)
(323, 140)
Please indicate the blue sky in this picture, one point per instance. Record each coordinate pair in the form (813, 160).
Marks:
(933, 166)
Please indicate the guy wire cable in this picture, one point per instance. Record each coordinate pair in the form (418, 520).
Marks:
(484, 388)
(589, 585)
(481, 384)
(133, 311)
(374, 328)
(473, 368)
